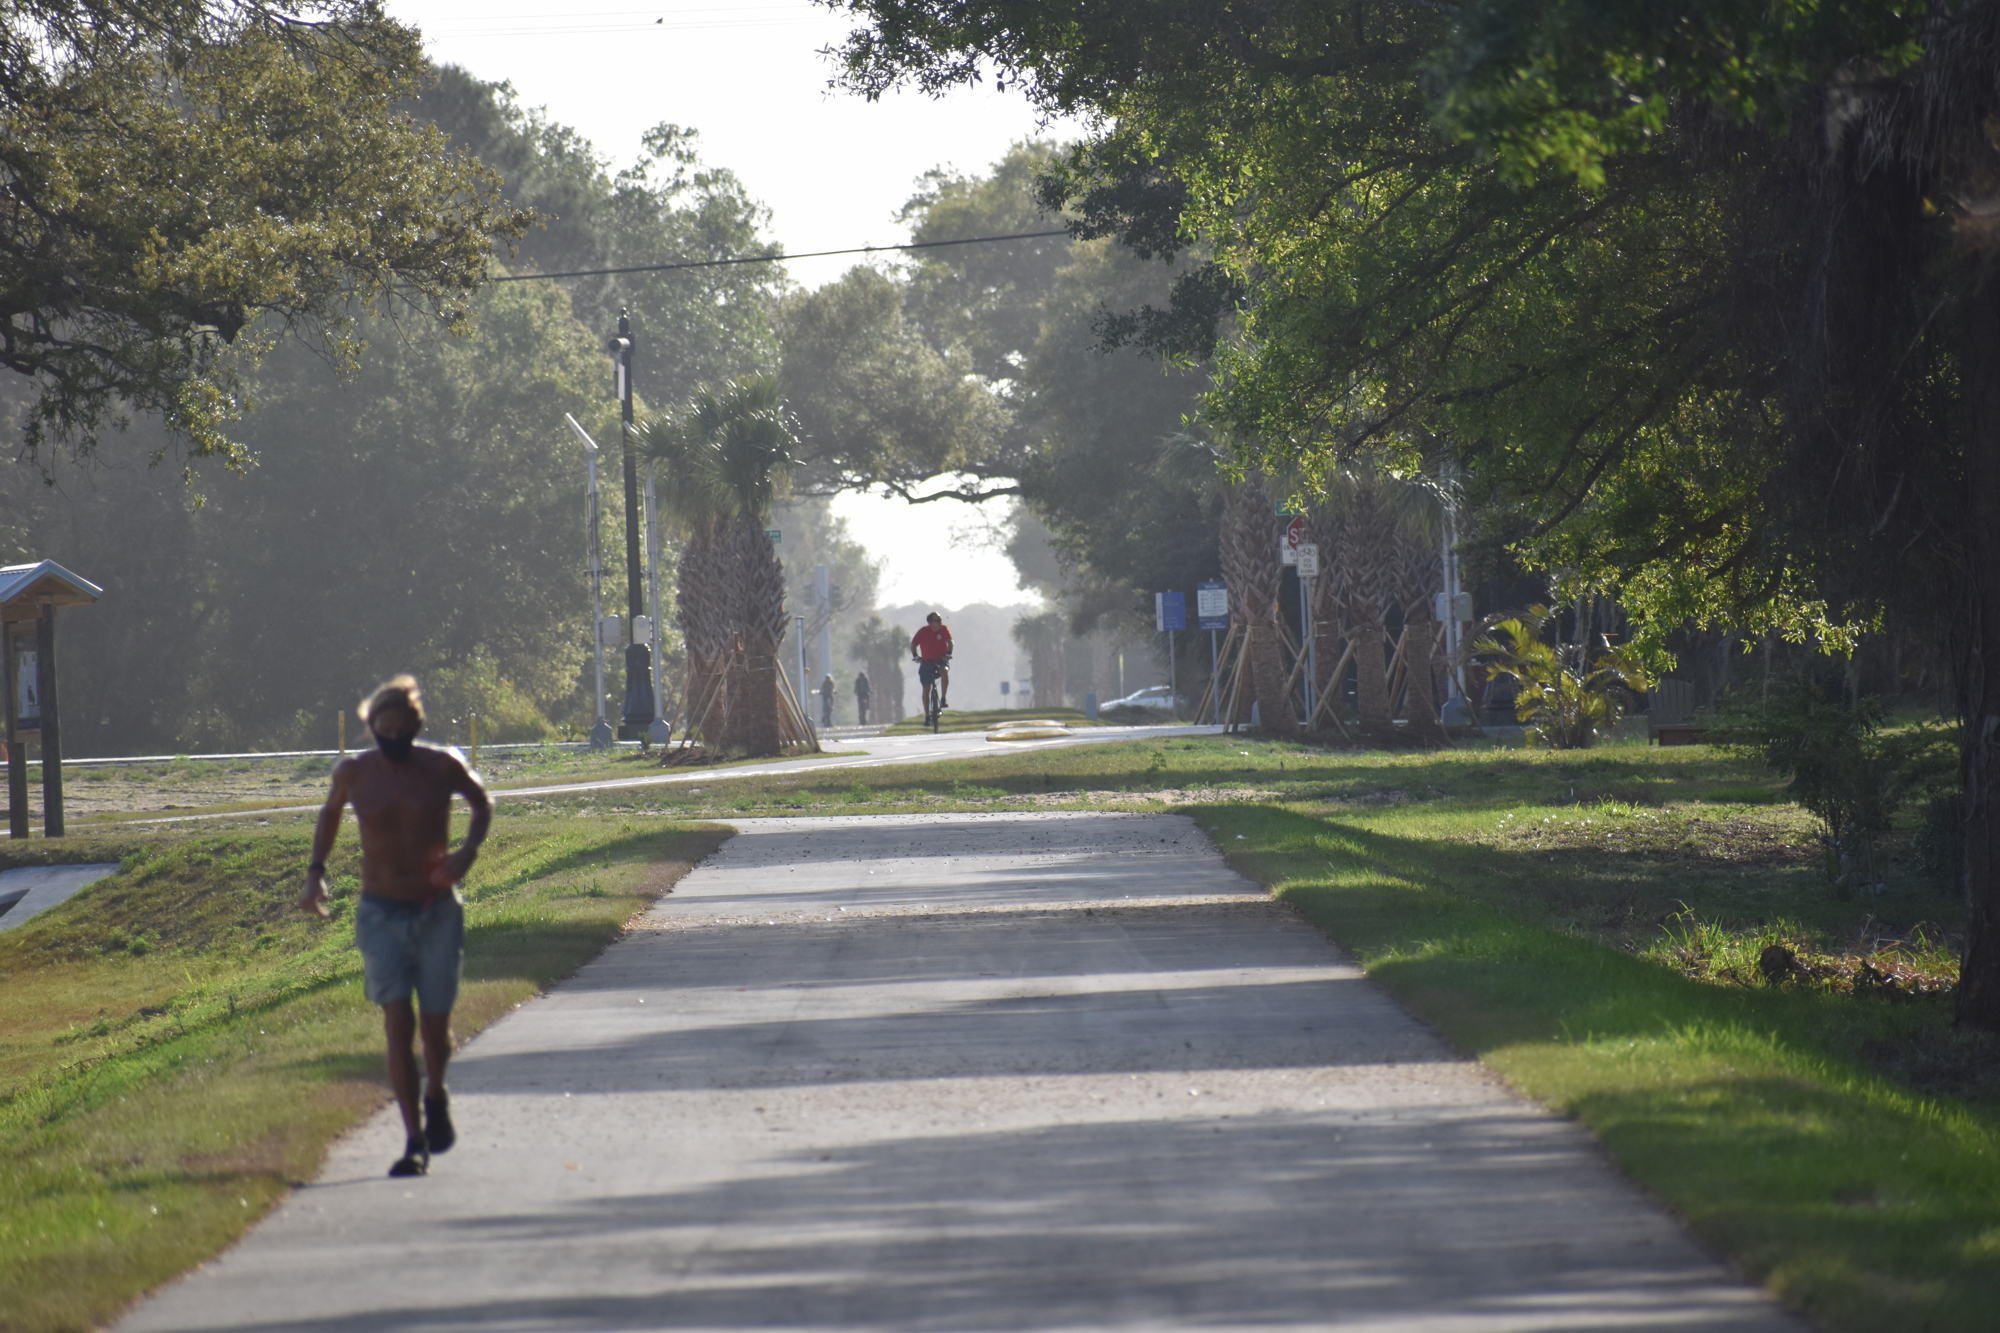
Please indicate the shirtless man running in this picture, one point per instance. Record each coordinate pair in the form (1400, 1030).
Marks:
(410, 921)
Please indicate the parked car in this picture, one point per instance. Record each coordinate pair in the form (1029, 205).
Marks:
(1160, 697)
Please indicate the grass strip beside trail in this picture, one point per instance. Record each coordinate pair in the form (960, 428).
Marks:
(181, 1045)
(1864, 1203)
(953, 719)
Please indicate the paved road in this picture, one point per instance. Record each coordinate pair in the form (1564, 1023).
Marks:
(31, 890)
(970, 1072)
(877, 752)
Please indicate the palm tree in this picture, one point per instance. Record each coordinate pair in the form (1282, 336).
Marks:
(1378, 537)
(690, 503)
(881, 649)
(728, 451)
(1565, 700)
(1249, 549)
(1042, 637)
(753, 443)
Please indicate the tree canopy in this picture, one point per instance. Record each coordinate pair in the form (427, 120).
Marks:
(879, 404)
(691, 327)
(183, 182)
(418, 510)
(1693, 295)
(1605, 348)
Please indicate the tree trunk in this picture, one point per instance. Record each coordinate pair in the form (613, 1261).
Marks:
(753, 706)
(759, 603)
(1249, 548)
(1233, 666)
(1046, 665)
(1371, 681)
(1327, 645)
(703, 672)
(1366, 560)
(885, 680)
(1324, 525)
(1275, 712)
(702, 611)
(1979, 978)
(1424, 726)
(729, 728)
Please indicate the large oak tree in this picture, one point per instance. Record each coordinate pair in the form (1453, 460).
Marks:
(182, 177)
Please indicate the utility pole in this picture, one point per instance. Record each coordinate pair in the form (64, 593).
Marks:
(823, 613)
(804, 694)
(1308, 570)
(636, 723)
(1448, 572)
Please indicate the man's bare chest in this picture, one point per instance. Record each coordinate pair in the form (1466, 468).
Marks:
(400, 798)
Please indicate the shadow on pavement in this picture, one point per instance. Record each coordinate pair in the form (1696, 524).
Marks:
(1469, 1225)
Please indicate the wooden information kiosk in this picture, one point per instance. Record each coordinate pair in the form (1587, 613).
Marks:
(29, 596)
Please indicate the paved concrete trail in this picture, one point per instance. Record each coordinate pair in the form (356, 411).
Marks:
(970, 1072)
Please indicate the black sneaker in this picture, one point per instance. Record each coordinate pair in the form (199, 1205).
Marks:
(415, 1161)
(438, 1132)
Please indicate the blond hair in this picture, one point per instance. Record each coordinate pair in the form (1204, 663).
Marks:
(396, 692)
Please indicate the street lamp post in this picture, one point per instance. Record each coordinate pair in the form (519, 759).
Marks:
(600, 735)
(661, 730)
(636, 724)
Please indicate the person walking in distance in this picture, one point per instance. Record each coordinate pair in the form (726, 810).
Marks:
(410, 920)
(861, 697)
(931, 646)
(826, 693)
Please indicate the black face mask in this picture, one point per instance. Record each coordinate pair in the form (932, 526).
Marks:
(397, 748)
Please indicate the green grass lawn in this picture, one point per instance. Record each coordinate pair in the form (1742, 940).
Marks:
(180, 1045)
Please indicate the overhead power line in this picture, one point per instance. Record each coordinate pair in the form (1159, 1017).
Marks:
(777, 259)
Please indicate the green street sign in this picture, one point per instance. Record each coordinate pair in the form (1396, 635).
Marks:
(775, 534)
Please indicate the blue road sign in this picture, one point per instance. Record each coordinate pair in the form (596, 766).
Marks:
(1169, 611)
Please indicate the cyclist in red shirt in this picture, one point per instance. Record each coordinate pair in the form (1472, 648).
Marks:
(931, 646)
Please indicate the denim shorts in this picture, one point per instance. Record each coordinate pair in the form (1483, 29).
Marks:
(411, 946)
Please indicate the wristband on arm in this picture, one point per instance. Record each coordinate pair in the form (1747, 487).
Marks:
(316, 868)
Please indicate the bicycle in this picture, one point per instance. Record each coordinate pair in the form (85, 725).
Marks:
(933, 707)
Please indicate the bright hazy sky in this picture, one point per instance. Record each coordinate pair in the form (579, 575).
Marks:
(832, 168)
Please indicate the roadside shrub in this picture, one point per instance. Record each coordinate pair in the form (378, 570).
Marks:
(1565, 703)
(506, 714)
(1846, 770)
(1784, 953)
(1940, 842)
